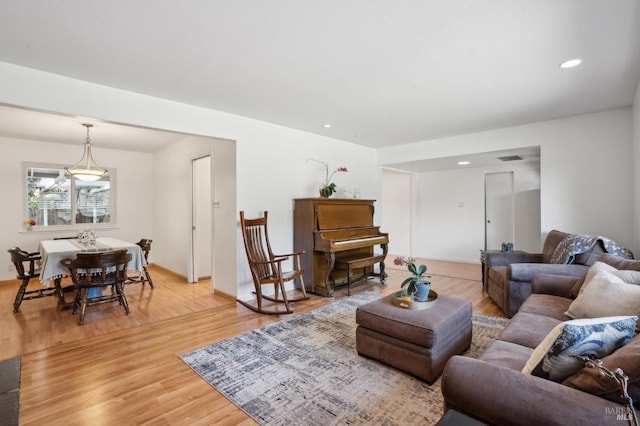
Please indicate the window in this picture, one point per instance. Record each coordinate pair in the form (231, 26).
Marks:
(56, 199)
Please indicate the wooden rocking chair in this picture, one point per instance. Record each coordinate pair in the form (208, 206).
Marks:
(266, 267)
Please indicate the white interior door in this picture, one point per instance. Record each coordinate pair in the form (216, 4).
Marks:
(202, 218)
(397, 209)
(499, 209)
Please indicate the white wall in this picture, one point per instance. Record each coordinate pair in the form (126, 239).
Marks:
(272, 172)
(133, 171)
(585, 180)
(446, 231)
(450, 212)
(527, 210)
(172, 206)
(270, 159)
(225, 248)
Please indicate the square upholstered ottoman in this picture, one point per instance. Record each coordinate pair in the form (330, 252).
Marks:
(418, 342)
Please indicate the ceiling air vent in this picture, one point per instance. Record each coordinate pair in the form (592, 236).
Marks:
(510, 158)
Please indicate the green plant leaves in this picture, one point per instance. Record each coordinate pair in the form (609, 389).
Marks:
(417, 277)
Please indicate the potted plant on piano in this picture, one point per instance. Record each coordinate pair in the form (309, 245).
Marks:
(417, 284)
(327, 188)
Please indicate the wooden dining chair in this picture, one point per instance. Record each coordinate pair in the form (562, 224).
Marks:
(98, 270)
(267, 268)
(145, 246)
(28, 268)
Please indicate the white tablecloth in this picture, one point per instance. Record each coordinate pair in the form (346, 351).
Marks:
(54, 251)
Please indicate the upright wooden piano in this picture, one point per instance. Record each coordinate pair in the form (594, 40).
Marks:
(338, 237)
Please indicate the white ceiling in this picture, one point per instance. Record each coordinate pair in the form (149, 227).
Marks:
(529, 157)
(28, 124)
(381, 72)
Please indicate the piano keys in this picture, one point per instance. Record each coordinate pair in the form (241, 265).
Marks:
(338, 237)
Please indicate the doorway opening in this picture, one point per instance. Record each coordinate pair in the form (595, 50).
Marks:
(499, 210)
(512, 210)
(397, 210)
(202, 219)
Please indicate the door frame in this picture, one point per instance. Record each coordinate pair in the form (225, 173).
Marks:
(193, 255)
(512, 207)
(410, 207)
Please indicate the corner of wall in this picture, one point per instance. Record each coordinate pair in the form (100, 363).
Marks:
(635, 149)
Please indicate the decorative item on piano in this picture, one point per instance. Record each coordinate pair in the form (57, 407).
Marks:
(418, 285)
(327, 188)
(86, 237)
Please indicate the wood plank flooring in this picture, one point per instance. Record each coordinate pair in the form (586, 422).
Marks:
(124, 370)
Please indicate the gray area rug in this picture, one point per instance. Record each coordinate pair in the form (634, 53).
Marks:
(305, 370)
(9, 391)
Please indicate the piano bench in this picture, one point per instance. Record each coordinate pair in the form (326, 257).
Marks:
(350, 263)
(417, 342)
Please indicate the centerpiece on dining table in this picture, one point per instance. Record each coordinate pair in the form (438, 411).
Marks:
(87, 236)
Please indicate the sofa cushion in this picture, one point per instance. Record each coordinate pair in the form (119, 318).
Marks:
(590, 380)
(527, 329)
(629, 275)
(607, 294)
(547, 305)
(554, 359)
(620, 262)
(506, 354)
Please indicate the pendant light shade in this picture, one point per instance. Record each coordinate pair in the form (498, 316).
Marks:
(86, 169)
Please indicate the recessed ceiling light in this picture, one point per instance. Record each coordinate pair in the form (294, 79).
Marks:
(571, 63)
(326, 126)
(463, 163)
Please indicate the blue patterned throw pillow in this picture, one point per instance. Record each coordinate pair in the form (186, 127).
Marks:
(593, 337)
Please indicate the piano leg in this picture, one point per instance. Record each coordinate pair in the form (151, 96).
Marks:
(383, 275)
(331, 260)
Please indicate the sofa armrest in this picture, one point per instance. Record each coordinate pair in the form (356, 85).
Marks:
(502, 396)
(555, 285)
(506, 258)
(526, 271)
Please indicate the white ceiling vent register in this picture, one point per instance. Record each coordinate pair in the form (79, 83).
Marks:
(510, 158)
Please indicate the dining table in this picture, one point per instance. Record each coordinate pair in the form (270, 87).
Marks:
(53, 252)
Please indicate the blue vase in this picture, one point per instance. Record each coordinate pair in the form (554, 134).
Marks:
(422, 292)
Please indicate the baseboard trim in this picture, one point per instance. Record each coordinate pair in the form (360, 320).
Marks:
(168, 271)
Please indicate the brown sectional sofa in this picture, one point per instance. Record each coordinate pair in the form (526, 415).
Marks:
(493, 389)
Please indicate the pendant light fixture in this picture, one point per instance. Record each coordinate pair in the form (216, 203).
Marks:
(86, 169)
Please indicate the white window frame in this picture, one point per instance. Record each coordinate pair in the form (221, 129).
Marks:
(72, 226)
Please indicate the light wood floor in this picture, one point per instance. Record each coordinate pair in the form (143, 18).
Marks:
(122, 370)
